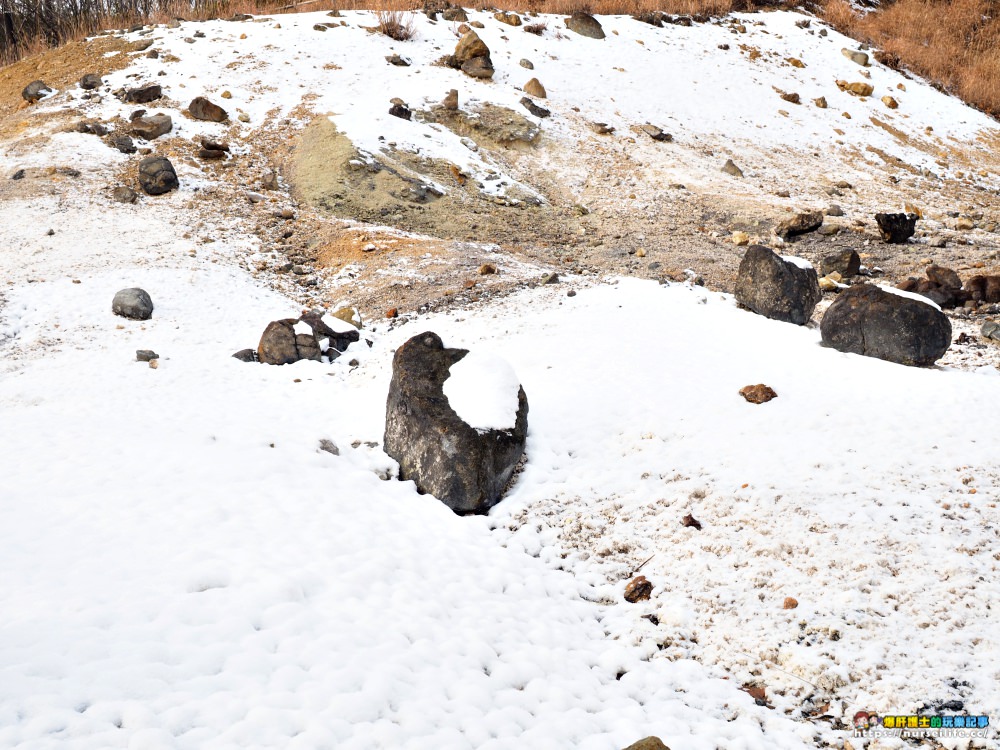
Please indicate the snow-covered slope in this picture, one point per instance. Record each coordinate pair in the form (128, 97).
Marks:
(181, 566)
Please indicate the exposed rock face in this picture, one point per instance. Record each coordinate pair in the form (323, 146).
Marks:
(201, 108)
(157, 175)
(465, 468)
(585, 24)
(871, 321)
(896, 228)
(152, 127)
(776, 288)
(133, 303)
(802, 223)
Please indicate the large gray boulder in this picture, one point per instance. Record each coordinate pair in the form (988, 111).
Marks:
(133, 303)
(877, 323)
(585, 24)
(465, 468)
(780, 289)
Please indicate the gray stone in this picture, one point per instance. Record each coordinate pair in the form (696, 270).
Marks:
(585, 24)
(478, 67)
(145, 355)
(90, 81)
(464, 468)
(730, 168)
(133, 303)
(246, 355)
(121, 142)
(152, 127)
(123, 194)
(990, 330)
(875, 323)
(776, 288)
(157, 175)
(35, 91)
(860, 58)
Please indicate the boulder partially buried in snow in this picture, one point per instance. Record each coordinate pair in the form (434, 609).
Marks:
(311, 336)
(585, 24)
(456, 422)
(133, 303)
(888, 324)
(785, 289)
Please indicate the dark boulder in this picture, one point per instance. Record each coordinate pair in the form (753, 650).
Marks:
(121, 142)
(308, 337)
(201, 108)
(465, 468)
(133, 303)
(896, 228)
(874, 322)
(942, 286)
(777, 288)
(143, 94)
(157, 175)
(400, 111)
(34, 91)
(585, 24)
(533, 108)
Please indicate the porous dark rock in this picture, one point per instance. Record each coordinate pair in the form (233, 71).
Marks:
(201, 108)
(143, 94)
(152, 127)
(133, 303)
(465, 468)
(145, 355)
(874, 322)
(534, 108)
(776, 288)
(157, 175)
(896, 228)
(121, 142)
(286, 341)
(35, 91)
(400, 111)
(586, 25)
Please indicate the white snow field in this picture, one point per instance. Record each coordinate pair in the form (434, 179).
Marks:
(182, 567)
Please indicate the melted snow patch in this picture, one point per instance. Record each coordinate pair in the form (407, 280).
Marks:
(482, 389)
(910, 295)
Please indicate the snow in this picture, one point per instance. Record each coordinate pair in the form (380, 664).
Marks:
(181, 566)
(483, 390)
(798, 262)
(910, 295)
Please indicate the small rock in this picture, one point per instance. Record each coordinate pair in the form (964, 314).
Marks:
(121, 142)
(648, 743)
(820, 102)
(790, 603)
(328, 446)
(602, 128)
(35, 91)
(392, 312)
(550, 278)
(656, 133)
(758, 394)
(691, 522)
(526, 63)
(847, 263)
(740, 239)
(964, 224)
(246, 355)
(511, 19)
(145, 355)
(533, 108)
(730, 168)
(834, 210)
(858, 88)
(399, 62)
(157, 175)
(133, 303)
(400, 111)
(534, 88)
(143, 94)
(638, 590)
(123, 194)
(90, 81)
(890, 102)
(450, 102)
(990, 330)
(855, 56)
(201, 108)
(791, 97)
(487, 269)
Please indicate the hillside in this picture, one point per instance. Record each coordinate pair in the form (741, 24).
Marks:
(183, 564)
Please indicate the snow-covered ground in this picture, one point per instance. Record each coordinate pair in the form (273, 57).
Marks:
(181, 566)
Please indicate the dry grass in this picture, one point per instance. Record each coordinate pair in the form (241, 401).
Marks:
(396, 24)
(954, 43)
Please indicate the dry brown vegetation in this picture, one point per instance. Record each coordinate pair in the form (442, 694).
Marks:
(954, 43)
